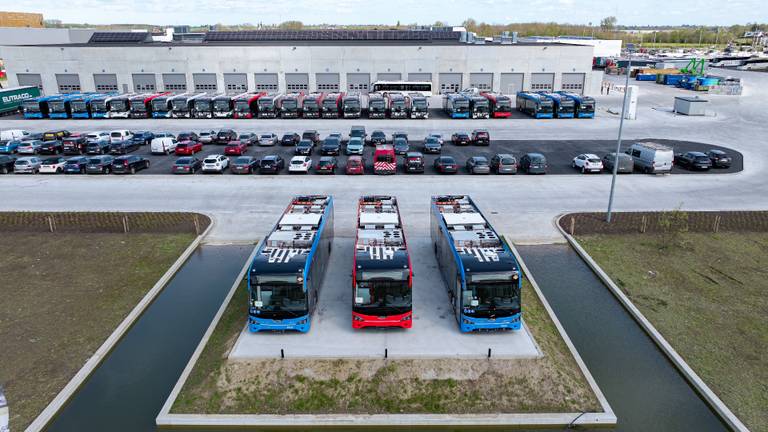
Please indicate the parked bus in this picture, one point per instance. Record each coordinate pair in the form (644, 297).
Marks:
(100, 105)
(500, 105)
(585, 105)
(331, 105)
(382, 279)
(289, 105)
(562, 106)
(384, 160)
(422, 87)
(479, 107)
(204, 106)
(222, 106)
(351, 105)
(286, 274)
(161, 105)
(377, 107)
(37, 108)
(456, 105)
(480, 271)
(244, 106)
(82, 107)
(183, 106)
(535, 105)
(141, 105)
(418, 106)
(119, 106)
(61, 108)
(268, 106)
(310, 106)
(397, 106)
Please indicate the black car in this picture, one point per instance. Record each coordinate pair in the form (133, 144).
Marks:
(400, 145)
(401, 135)
(446, 165)
(76, 165)
(6, 164)
(249, 138)
(51, 147)
(303, 148)
(378, 137)
(129, 164)
(414, 162)
(693, 160)
(432, 145)
(271, 164)
(290, 139)
(143, 137)
(481, 137)
(187, 136)
(123, 147)
(224, 136)
(533, 163)
(74, 145)
(331, 146)
(311, 135)
(187, 165)
(99, 165)
(461, 138)
(55, 135)
(719, 158)
(97, 147)
(244, 165)
(358, 132)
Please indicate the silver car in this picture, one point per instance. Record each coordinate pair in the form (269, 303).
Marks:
(269, 139)
(27, 165)
(206, 137)
(504, 163)
(29, 147)
(478, 165)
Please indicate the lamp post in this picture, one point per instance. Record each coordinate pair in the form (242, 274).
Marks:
(618, 141)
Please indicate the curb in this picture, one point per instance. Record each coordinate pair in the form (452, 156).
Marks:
(690, 375)
(74, 384)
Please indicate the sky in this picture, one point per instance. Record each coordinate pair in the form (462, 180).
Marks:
(453, 12)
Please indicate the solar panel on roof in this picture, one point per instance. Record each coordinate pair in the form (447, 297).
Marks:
(360, 35)
(113, 37)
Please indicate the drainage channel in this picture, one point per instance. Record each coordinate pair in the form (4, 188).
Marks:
(128, 389)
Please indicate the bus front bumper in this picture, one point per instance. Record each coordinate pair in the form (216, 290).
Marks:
(361, 321)
(469, 324)
(300, 324)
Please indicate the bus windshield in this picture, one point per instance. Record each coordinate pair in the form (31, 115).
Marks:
(461, 105)
(329, 104)
(117, 105)
(78, 106)
(242, 106)
(352, 105)
(588, 107)
(545, 106)
(419, 103)
(289, 104)
(32, 106)
(280, 293)
(179, 104)
(159, 104)
(99, 105)
(377, 104)
(503, 105)
(138, 106)
(383, 288)
(493, 292)
(56, 106)
(398, 105)
(221, 105)
(266, 103)
(310, 104)
(203, 105)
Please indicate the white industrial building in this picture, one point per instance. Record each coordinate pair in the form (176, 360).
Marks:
(310, 60)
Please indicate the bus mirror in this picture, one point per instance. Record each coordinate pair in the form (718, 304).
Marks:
(474, 302)
(258, 303)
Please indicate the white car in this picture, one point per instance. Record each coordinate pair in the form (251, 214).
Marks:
(52, 165)
(268, 139)
(215, 163)
(97, 137)
(587, 162)
(300, 164)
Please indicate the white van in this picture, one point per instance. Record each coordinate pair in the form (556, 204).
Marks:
(651, 157)
(12, 134)
(117, 136)
(164, 145)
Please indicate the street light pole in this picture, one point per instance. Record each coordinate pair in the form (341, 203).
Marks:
(618, 141)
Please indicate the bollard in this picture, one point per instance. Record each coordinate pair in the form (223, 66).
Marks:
(489, 353)
(282, 353)
(386, 352)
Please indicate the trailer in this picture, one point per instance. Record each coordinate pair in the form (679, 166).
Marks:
(12, 99)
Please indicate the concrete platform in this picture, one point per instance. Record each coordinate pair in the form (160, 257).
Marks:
(434, 334)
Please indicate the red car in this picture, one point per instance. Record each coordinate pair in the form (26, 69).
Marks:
(236, 148)
(326, 165)
(188, 148)
(355, 165)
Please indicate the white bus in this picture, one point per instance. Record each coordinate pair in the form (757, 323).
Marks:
(405, 87)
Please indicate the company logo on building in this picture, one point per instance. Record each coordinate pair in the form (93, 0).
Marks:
(16, 97)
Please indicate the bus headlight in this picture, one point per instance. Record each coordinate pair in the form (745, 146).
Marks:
(466, 321)
(356, 318)
(406, 318)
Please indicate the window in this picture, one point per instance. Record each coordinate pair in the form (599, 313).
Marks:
(449, 87)
(237, 87)
(358, 86)
(330, 87)
(175, 87)
(572, 86)
(546, 86)
(199, 86)
(106, 87)
(297, 87)
(481, 86)
(144, 87)
(266, 87)
(69, 88)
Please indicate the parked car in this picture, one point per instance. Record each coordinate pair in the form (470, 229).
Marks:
(97, 136)
(235, 148)
(121, 135)
(481, 137)
(249, 138)
(52, 165)
(6, 164)
(355, 146)
(533, 163)
(446, 165)
(187, 165)
(164, 135)
(187, 136)
(224, 136)
(478, 165)
(626, 164)
(504, 163)
(290, 139)
(74, 145)
(331, 146)
(414, 162)
(97, 147)
(56, 135)
(378, 137)
(206, 137)
(355, 165)
(399, 134)
(29, 147)
(461, 138)
(651, 157)
(326, 165)
(188, 148)
(300, 164)
(400, 145)
(27, 165)
(693, 160)
(129, 164)
(268, 139)
(438, 136)
(719, 158)
(163, 145)
(143, 137)
(76, 165)
(358, 132)
(123, 147)
(304, 147)
(311, 135)
(52, 147)
(271, 164)
(432, 145)
(14, 134)
(9, 146)
(587, 162)
(245, 165)
(99, 164)
(215, 163)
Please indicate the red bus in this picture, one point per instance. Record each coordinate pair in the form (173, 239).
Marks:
(245, 105)
(310, 105)
(384, 161)
(141, 105)
(382, 276)
(500, 105)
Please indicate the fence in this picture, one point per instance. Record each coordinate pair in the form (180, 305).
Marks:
(103, 222)
(662, 222)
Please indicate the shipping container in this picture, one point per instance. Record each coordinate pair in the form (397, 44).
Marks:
(11, 98)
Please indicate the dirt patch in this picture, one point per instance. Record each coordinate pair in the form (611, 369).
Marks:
(664, 222)
(103, 222)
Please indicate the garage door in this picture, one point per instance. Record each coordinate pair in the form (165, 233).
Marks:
(481, 81)
(542, 81)
(573, 82)
(450, 82)
(144, 83)
(68, 83)
(296, 82)
(388, 76)
(205, 82)
(105, 82)
(175, 82)
(265, 82)
(419, 76)
(34, 80)
(511, 83)
(327, 82)
(236, 82)
(358, 82)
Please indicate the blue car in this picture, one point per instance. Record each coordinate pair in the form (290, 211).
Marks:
(76, 165)
(9, 147)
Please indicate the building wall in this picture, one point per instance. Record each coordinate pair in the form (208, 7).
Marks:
(45, 36)
(311, 59)
(21, 19)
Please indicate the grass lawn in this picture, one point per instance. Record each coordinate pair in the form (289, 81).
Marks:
(217, 385)
(706, 293)
(62, 296)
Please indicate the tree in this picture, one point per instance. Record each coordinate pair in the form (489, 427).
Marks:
(470, 24)
(608, 23)
(291, 25)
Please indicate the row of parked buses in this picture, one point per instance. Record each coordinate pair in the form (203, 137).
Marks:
(479, 270)
(561, 104)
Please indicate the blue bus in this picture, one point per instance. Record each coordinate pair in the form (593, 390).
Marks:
(585, 105)
(287, 272)
(37, 108)
(479, 269)
(456, 105)
(99, 105)
(564, 107)
(61, 107)
(83, 106)
(535, 105)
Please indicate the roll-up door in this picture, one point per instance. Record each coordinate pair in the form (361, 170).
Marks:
(175, 82)
(388, 76)
(327, 82)
(450, 82)
(27, 79)
(481, 81)
(144, 83)
(542, 81)
(265, 82)
(358, 82)
(105, 82)
(236, 82)
(205, 82)
(573, 82)
(68, 83)
(296, 82)
(420, 76)
(511, 83)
